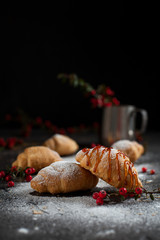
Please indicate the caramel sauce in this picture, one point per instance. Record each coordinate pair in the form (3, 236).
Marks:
(130, 165)
(127, 170)
(118, 166)
(109, 164)
(131, 175)
(136, 178)
(86, 151)
(98, 157)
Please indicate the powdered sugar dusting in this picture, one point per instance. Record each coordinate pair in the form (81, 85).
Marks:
(39, 179)
(78, 215)
(122, 144)
(23, 230)
(64, 168)
(58, 170)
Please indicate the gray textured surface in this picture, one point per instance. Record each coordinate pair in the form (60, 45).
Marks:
(76, 216)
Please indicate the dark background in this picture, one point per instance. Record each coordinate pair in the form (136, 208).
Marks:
(114, 43)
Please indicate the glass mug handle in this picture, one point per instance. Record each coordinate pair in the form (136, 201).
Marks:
(143, 124)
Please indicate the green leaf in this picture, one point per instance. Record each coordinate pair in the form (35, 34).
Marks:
(81, 82)
(136, 197)
(152, 197)
(122, 198)
(89, 88)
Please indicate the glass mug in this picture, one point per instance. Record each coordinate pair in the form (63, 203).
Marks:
(119, 122)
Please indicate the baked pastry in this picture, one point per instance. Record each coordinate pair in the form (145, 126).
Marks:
(111, 165)
(62, 144)
(63, 177)
(131, 148)
(37, 157)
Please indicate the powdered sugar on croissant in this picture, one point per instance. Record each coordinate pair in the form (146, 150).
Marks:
(131, 148)
(111, 165)
(63, 177)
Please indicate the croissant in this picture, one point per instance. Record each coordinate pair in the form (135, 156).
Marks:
(64, 145)
(37, 157)
(131, 148)
(63, 177)
(111, 165)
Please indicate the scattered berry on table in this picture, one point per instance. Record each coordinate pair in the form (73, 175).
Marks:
(144, 169)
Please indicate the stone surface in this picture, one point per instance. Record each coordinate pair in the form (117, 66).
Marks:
(25, 214)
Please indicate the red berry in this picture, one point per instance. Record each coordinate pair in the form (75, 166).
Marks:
(144, 169)
(2, 174)
(109, 91)
(115, 101)
(28, 171)
(93, 145)
(138, 190)
(2, 142)
(70, 129)
(95, 195)
(39, 120)
(107, 104)
(48, 124)
(152, 171)
(94, 102)
(28, 178)
(93, 92)
(10, 184)
(62, 131)
(102, 194)
(99, 201)
(122, 191)
(8, 178)
(13, 169)
(131, 195)
(11, 142)
(33, 170)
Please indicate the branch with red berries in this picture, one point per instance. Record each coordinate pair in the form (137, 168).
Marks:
(10, 142)
(102, 96)
(121, 195)
(27, 123)
(13, 174)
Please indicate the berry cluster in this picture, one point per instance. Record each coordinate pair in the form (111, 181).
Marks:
(144, 169)
(10, 142)
(27, 124)
(122, 194)
(11, 174)
(99, 197)
(102, 96)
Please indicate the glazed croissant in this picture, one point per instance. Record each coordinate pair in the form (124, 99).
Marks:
(131, 148)
(64, 145)
(111, 165)
(37, 157)
(63, 177)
